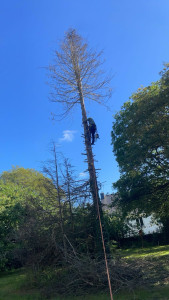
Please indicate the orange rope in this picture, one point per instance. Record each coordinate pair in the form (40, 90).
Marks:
(104, 249)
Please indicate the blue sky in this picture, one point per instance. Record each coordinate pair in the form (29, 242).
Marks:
(135, 38)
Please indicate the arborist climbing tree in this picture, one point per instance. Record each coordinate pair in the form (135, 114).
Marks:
(93, 130)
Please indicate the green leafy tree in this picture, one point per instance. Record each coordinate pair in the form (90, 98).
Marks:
(23, 185)
(28, 214)
(140, 139)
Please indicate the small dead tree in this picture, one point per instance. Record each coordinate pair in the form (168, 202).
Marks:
(52, 171)
(69, 188)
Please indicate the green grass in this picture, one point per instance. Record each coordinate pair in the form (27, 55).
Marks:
(14, 285)
(145, 252)
(160, 293)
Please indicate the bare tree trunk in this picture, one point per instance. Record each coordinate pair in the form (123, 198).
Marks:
(93, 179)
(59, 203)
(67, 167)
(90, 160)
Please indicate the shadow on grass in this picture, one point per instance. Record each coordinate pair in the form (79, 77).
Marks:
(13, 286)
(156, 293)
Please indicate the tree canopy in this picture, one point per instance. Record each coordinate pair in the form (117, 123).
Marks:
(26, 186)
(140, 139)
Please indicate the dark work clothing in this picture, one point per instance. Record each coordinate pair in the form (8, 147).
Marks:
(92, 137)
(92, 129)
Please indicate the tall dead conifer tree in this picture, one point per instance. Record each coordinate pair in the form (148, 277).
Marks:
(75, 76)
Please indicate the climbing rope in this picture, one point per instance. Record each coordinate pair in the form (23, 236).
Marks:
(103, 243)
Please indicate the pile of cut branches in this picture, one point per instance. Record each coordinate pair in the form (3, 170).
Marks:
(83, 274)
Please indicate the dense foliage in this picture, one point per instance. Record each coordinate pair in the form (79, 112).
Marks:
(24, 198)
(140, 139)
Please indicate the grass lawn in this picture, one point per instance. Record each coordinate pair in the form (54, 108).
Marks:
(13, 285)
(153, 294)
(12, 288)
(145, 252)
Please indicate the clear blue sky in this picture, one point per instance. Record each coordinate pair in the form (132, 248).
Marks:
(135, 38)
